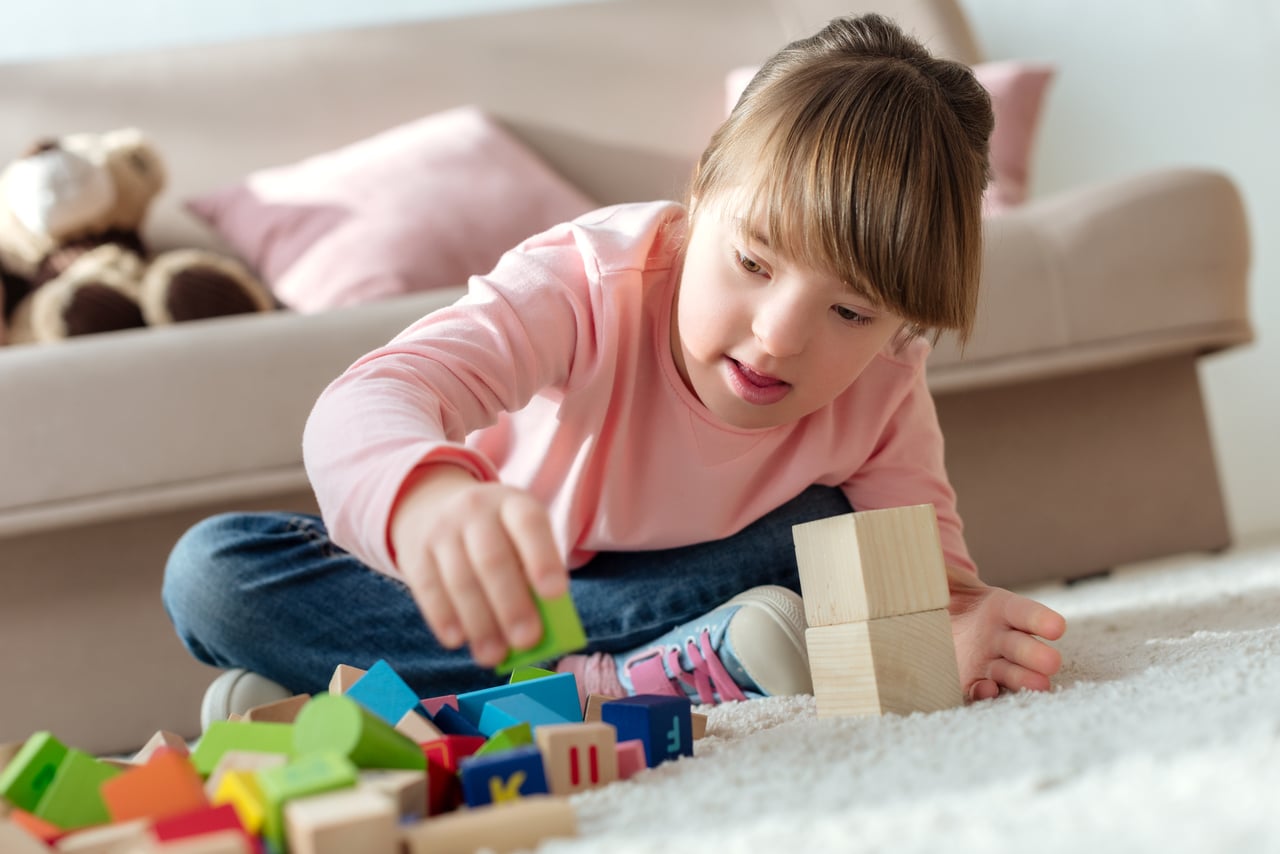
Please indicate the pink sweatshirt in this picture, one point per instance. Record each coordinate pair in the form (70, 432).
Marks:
(555, 373)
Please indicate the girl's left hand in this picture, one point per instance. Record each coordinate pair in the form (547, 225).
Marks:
(998, 636)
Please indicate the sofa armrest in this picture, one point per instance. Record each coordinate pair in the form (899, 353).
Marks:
(125, 423)
(1107, 275)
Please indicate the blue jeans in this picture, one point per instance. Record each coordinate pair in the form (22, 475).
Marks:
(270, 592)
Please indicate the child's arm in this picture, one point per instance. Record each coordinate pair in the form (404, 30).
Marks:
(470, 551)
(998, 638)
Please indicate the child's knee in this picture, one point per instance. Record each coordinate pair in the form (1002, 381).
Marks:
(205, 565)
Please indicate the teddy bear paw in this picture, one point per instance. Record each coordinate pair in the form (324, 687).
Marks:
(190, 284)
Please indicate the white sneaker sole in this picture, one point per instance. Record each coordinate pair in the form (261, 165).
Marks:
(768, 639)
(237, 691)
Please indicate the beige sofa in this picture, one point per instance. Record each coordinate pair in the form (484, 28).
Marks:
(1077, 436)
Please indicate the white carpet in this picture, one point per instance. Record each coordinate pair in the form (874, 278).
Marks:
(1162, 734)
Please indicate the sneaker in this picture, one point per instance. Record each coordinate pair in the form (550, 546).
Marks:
(751, 646)
(236, 692)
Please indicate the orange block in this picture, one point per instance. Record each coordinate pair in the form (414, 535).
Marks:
(167, 785)
(37, 827)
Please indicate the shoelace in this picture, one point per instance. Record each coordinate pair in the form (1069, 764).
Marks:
(707, 675)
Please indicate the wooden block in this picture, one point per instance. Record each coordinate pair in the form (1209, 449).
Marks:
(311, 774)
(444, 788)
(631, 758)
(104, 839)
(344, 676)
(893, 665)
(518, 735)
(558, 693)
(35, 827)
(506, 776)
(407, 791)
(167, 785)
(450, 721)
(578, 756)
(698, 723)
(343, 822)
(30, 770)
(501, 828)
(871, 564)
(198, 822)
(15, 840)
(241, 760)
(331, 723)
(222, 736)
(240, 789)
(591, 709)
(561, 634)
(434, 704)
(74, 799)
(526, 672)
(280, 712)
(504, 712)
(663, 723)
(162, 738)
(222, 842)
(417, 727)
(450, 750)
(384, 693)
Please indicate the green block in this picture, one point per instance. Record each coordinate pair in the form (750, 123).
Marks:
(333, 723)
(74, 798)
(520, 735)
(307, 775)
(527, 672)
(561, 634)
(26, 778)
(222, 736)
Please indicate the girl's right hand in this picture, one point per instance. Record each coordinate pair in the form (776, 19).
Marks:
(470, 552)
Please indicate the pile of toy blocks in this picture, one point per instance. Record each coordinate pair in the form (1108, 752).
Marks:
(366, 767)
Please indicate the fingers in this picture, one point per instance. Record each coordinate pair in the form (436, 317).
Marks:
(1030, 653)
(507, 604)
(529, 529)
(1012, 677)
(1030, 616)
(470, 601)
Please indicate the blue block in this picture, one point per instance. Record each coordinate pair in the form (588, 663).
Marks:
(504, 712)
(503, 776)
(383, 692)
(663, 723)
(558, 693)
(451, 722)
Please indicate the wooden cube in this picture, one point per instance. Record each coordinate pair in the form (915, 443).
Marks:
(895, 665)
(501, 777)
(561, 634)
(871, 564)
(280, 712)
(344, 676)
(15, 840)
(663, 723)
(578, 756)
(167, 785)
(162, 738)
(343, 822)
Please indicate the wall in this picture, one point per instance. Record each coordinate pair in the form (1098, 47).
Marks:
(1149, 83)
(1142, 84)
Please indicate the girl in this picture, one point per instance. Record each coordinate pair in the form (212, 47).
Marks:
(637, 406)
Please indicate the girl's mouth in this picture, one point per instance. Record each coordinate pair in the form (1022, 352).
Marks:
(754, 387)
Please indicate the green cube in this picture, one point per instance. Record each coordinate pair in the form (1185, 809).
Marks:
(561, 634)
(74, 798)
(222, 736)
(28, 775)
(309, 775)
(520, 735)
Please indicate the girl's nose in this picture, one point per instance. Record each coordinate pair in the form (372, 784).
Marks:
(782, 324)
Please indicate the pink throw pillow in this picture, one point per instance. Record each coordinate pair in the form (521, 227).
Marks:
(1017, 91)
(421, 206)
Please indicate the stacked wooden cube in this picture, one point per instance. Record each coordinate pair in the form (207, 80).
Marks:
(875, 594)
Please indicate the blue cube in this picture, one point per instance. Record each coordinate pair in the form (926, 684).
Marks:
(503, 712)
(663, 723)
(504, 776)
(558, 693)
(383, 692)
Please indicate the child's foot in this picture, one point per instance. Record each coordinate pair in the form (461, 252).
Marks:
(236, 692)
(751, 646)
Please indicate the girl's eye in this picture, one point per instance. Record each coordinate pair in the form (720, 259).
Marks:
(846, 313)
(749, 264)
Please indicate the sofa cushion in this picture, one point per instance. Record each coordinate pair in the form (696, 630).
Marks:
(421, 206)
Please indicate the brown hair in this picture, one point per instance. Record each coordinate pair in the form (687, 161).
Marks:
(863, 156)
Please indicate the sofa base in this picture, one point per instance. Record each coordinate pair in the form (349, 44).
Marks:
(1066, 477)
(92, 656)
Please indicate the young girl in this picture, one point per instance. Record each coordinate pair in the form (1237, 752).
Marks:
(636, 407)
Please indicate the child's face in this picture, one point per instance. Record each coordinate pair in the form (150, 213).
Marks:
(760, 340)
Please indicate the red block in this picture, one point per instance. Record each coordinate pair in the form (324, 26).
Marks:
(444, 789)
(198, 822)
(450, 750)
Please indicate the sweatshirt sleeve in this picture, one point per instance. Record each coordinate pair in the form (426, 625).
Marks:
(518, 330)
(907, 467)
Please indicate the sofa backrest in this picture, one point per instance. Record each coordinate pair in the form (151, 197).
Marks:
(620, 96)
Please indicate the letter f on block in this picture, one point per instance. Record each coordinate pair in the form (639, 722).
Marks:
(508, 790)
(673, 738)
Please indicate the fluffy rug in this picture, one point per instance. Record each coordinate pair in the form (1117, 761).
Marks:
(1162, 734)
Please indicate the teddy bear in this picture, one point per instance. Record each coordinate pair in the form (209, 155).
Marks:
(72, 258)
